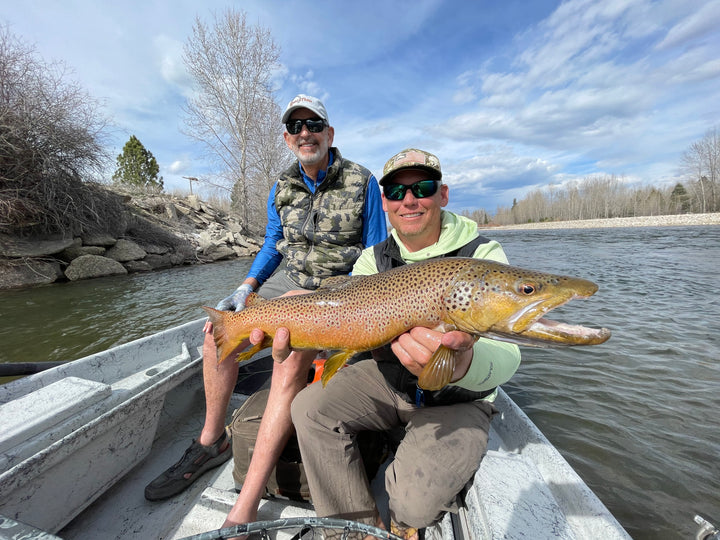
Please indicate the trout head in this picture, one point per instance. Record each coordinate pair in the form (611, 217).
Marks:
(507, 303)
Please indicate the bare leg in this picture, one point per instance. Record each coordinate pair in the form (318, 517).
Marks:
(203, 454)
(288, 378)
(219, 381)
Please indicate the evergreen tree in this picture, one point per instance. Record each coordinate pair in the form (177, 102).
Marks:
(680, 199)
(137, 166)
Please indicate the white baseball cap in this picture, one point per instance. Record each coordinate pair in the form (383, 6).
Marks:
(303, 101)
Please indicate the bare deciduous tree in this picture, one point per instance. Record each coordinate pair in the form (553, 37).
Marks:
(51, 141)
(268, 157)
(233, 112)
(701, 163)
(591, 198)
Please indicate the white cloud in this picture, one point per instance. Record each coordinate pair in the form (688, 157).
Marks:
(700, 21)
(307, 85)
(172, 67)
(177, 167)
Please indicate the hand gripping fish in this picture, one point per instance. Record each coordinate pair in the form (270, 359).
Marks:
(353, 314)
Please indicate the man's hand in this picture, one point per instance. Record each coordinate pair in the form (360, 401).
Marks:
(236, 301)
(281, 350)
(415, 348)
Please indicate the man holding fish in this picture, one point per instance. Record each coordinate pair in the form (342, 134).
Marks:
(322, 211)
(445, 430)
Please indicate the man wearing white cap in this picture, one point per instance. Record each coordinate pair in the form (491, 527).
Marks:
(322, 211)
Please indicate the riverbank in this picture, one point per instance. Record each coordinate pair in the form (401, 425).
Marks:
(678, 220)
(146, 232)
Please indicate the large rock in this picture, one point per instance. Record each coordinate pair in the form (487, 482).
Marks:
(243, 251)
(248, 243)
(75, 251)
(17, 247)
(158, 261)
(138, 266)
(92, 266)
(98, 239)
(220, 253)
(183, 256)
(27, 273)
(193, 202)
(155, 249)
(184, 210)
(125, 250)
(171, 211)
(204, 240)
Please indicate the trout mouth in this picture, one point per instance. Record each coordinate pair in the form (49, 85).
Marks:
(529, 327)
(547, 333)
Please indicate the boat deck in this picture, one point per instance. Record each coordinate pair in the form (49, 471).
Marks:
(152, 389)
(511, 497)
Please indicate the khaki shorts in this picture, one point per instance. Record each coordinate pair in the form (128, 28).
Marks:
(278, 284)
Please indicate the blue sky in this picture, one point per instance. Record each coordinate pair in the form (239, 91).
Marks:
(512, 96)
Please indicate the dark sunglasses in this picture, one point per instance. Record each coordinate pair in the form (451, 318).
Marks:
(421, 189)
(314, 125)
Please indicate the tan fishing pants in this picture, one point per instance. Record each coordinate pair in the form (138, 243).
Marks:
(441, 450)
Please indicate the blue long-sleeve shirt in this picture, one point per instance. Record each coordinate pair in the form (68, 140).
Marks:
(269, 258)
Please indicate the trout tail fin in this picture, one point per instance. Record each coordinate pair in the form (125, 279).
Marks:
(227, 344)
(217, 318)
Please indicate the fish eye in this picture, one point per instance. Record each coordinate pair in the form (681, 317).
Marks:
(526, 288)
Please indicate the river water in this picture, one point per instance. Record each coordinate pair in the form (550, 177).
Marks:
(637, 417)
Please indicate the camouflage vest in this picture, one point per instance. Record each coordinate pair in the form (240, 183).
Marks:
(322, 232)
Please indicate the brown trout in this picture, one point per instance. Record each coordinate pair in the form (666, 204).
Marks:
(353, 314)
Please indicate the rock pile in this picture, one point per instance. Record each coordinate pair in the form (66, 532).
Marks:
(158, 232)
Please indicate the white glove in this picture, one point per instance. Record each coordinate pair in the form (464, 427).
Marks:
(236, 301)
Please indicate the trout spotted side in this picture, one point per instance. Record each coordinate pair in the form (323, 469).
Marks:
(353, 314)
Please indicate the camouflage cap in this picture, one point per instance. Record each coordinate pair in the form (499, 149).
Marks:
(301, 101)
(412, 158)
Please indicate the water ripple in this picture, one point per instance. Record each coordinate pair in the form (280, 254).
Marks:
(635, 416)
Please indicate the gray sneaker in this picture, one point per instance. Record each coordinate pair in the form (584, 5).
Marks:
(197, 460)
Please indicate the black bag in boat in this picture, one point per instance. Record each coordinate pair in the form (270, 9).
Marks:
(288, 477)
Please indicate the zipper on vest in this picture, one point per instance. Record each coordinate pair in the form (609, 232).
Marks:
(311, 217)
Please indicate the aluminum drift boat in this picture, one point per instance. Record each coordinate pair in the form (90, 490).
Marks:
(80, 442)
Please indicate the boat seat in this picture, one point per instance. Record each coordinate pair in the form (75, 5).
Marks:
(41, 410)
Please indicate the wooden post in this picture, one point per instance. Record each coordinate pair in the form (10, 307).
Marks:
(191, 179)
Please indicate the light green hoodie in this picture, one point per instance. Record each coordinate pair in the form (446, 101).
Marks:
(494, 362)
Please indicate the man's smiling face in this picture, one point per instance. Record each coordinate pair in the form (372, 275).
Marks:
(417, 221)
(309, 148)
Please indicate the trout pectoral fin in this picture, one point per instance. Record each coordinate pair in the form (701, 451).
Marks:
(439, 370)
(264, 344)
(335, 362)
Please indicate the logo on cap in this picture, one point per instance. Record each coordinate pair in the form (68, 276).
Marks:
(303, 101)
